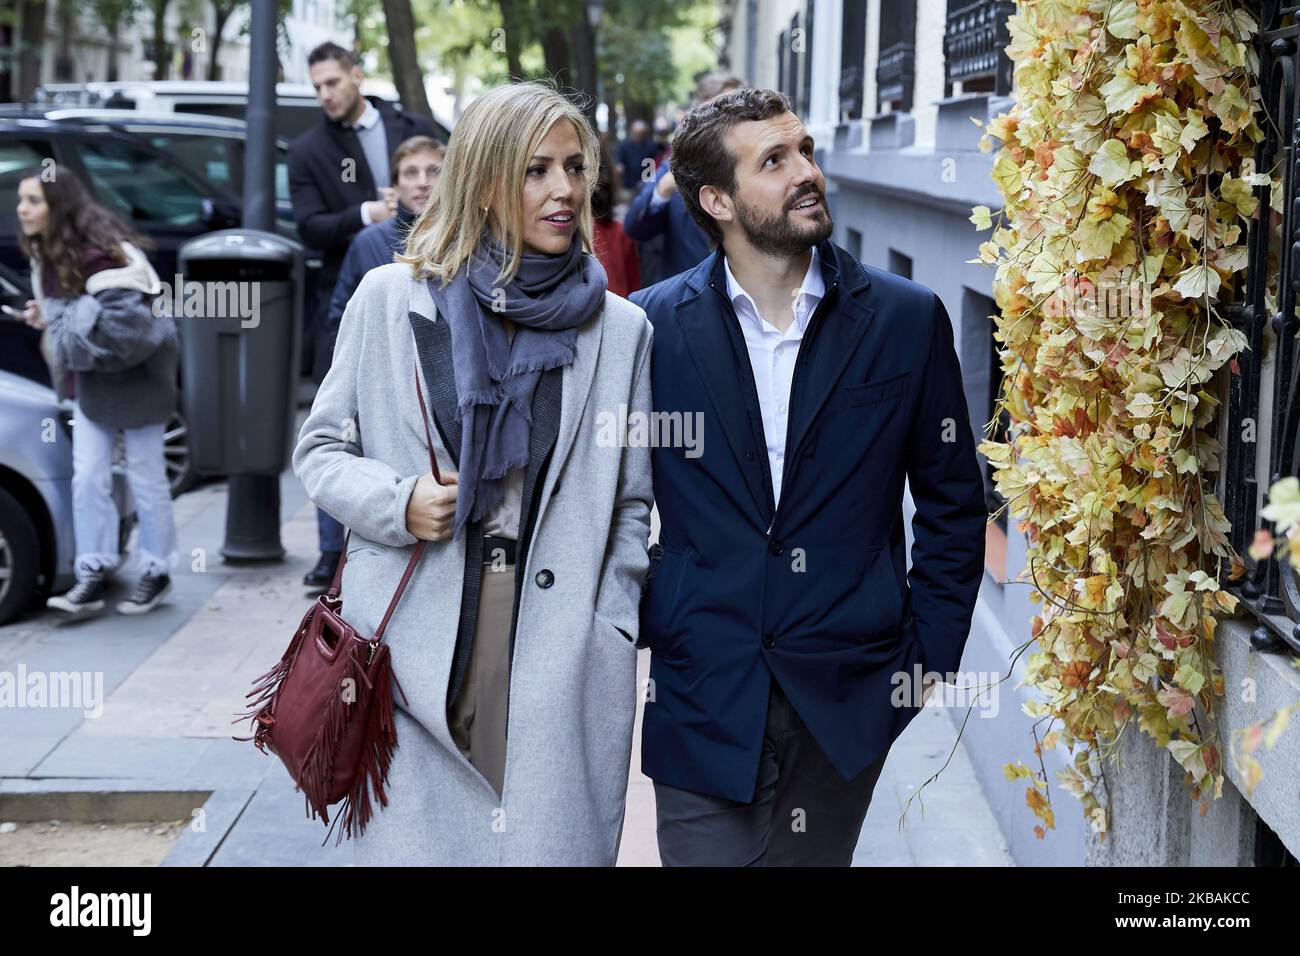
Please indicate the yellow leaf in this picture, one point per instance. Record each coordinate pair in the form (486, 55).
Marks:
(1275, 728)
(1121, 19)
(1112, 165)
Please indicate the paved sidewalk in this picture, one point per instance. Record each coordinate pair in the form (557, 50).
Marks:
(173, 679)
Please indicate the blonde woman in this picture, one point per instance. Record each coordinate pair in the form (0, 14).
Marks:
(515, 642)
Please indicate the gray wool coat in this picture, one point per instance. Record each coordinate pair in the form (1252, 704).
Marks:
(573, 679)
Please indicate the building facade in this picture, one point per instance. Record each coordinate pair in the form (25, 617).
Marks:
(888, 89)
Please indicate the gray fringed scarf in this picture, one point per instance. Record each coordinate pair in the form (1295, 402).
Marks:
(549, 297)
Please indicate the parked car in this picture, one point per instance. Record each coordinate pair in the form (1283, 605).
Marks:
(296, 108)
(173, 177)
(36, 539)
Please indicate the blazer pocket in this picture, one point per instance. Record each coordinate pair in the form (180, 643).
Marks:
(621, 635)
(661, 600)
(871, 393)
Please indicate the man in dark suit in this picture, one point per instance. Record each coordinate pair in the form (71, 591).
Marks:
(790, 643)
(339, 184)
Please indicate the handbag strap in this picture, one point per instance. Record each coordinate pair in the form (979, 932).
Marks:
(336, 585)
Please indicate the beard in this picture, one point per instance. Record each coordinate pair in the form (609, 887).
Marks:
(780, 234)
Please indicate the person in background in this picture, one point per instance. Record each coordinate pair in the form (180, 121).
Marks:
(416, 165)
(657, 210)
(108, 347)
(339, 183)
(635, 156)
(663, 141)
(617, 253)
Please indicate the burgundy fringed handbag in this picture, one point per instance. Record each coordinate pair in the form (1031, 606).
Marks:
(326, 709)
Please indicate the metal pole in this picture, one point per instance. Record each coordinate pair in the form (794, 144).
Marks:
(253, 501)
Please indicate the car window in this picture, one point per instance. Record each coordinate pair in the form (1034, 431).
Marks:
(18, 156)
(139, 185)
(281, 172)
(282, 176)
(210, 157)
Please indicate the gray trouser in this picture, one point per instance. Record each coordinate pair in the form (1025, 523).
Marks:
(803, 812)
(478, 715)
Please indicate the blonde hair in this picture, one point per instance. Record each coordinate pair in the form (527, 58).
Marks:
(486, 163)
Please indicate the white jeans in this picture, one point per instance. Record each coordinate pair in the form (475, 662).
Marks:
(95, 520)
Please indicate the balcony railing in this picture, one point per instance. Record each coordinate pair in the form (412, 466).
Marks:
(974, 44)
(895, 75)
(1260, 440)
(851, 92)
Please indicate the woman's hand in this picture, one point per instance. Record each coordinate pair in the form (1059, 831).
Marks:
(31, 314)
(431, 508)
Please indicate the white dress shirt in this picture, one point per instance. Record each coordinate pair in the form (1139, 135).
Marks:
(772, 355)
(503, 520)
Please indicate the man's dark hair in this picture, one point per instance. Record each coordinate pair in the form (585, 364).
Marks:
(700, 155)
(331, 51)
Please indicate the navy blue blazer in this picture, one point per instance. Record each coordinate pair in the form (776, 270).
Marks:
(815, 593)
(685, 243)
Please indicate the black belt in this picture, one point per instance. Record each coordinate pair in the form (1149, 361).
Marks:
(494, 549)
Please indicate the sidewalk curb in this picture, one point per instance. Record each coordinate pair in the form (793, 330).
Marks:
(219, 814)
(96, 800)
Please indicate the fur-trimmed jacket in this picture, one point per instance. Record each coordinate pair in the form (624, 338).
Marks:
(122, 356)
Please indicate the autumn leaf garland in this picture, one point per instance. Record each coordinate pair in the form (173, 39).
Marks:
(1127, 172)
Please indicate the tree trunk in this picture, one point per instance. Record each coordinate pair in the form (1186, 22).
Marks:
(8, 41)
(160, 39)
(114, 32)
(64, 68)
(222, 14)
(555, 51)
(513, 68)
(582, 46)
(31, 41)
(636, 110)
(403, 59)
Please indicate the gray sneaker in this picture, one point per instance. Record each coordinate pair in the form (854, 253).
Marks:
(85, 597)
(149, 592)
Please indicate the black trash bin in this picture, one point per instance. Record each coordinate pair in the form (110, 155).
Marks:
(238, 305)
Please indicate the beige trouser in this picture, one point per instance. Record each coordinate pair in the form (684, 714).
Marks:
(478, 714)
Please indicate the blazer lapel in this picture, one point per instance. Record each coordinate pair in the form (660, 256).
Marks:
(349, 147)
(433, 348)
(576, 388)
(840, 331)
(702, 320)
